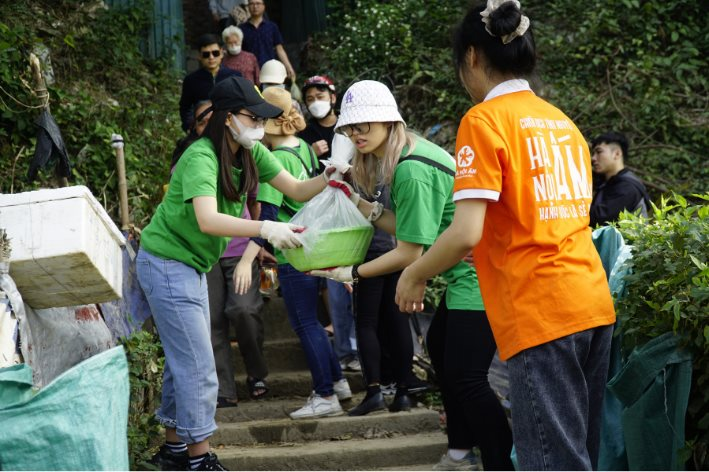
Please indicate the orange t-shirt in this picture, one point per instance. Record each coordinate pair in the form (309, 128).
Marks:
(540, 275)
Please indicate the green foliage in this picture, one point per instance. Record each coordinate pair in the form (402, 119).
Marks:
(435, 288)
(668, 290)
(636, 67)
(403, 44)
(103, 86)
(145, 364)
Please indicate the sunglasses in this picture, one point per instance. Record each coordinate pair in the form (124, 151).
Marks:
(214, 53)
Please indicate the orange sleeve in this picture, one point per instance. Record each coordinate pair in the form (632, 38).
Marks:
(478, 167)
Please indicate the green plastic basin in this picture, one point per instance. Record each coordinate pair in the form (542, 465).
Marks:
(336, 247)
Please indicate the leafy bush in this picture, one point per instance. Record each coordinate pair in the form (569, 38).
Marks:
(403, 44)
(103, 85)
(145, 364)
(668, 290)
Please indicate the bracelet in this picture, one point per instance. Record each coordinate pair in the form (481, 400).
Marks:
(355, 274)
(376, 212)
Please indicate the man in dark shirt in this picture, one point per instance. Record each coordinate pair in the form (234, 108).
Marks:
(621, 189)
(197, 85)
(320, 98)
(263, 38)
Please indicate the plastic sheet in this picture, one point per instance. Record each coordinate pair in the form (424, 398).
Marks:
(77, 422)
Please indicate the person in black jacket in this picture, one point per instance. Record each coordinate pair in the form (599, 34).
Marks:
(198, 84)
(620, 189)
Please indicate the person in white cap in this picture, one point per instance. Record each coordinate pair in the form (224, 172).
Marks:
(273, 74)
(460, 342)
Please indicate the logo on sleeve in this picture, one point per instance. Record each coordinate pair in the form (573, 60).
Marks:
(465, 156)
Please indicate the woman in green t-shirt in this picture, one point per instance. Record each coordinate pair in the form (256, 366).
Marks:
(186, 236)
(459, 339)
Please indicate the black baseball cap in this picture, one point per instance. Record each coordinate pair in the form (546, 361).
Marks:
(235, 93)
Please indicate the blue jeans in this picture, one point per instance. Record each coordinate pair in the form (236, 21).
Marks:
(556, 390)
(300, 293)
(342, 320)
(178, 299)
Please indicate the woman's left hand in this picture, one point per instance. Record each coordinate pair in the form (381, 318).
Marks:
(339, 274)
(409, 293)
(242, 277)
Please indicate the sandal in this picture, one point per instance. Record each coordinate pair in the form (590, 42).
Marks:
(257, 388)
(224, 402)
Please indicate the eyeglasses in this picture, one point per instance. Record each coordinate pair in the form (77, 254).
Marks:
(257, 119)
(359, 128)
(213, 52)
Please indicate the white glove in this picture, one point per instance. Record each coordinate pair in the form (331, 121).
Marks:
(281, 235)
(339, 274)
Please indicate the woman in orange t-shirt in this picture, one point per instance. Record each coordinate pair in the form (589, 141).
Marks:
(522, 193)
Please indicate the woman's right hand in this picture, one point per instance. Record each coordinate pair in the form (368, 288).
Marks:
(281, 235)
(242, 277)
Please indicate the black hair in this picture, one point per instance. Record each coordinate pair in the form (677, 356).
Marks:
(216, 131)
(207, 39)
(613, 137)
(192, 136)
(518, 57)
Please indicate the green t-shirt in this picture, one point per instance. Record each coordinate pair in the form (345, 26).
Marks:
(422, 199)
(173, 232)
(300, 166)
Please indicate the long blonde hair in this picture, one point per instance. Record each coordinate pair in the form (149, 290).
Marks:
(367, 170)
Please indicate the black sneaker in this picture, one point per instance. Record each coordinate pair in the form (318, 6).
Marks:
(165, 459)
(211, 462)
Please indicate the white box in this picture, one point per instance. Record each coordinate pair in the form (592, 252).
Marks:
(66, 250)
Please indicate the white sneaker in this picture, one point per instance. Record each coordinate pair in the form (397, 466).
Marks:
(342, 389)
(469, 462)
(354, 366)
(317, 407)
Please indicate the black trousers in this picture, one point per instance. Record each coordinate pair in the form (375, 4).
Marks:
(461, 346)
(380, 326)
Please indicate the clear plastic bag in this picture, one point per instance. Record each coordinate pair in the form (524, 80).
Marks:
(335, 232)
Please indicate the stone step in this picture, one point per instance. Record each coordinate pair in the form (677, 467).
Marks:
(296, 383)
(282, 355)
(285, 430)
(345, 454)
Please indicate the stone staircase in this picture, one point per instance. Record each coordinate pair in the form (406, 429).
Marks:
(259, 435)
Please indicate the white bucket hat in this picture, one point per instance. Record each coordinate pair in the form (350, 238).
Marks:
(368, 101)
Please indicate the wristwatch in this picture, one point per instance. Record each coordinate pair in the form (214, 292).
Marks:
(355, 274)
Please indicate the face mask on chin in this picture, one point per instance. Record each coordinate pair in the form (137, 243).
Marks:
(234, 50)
(245, 135)
(319, 109)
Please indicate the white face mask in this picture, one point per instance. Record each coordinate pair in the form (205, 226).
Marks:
(233, 50)
(319, 109)
(245, 135)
